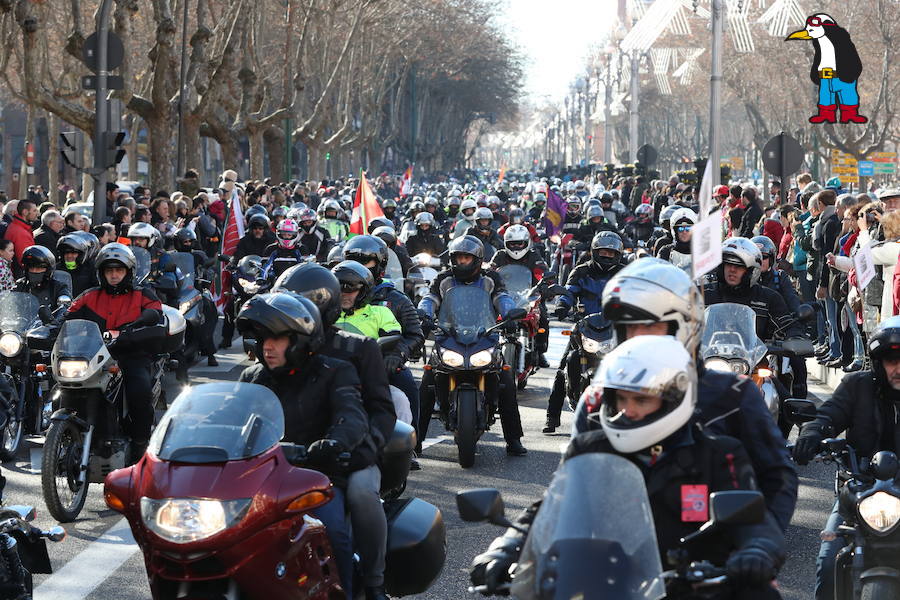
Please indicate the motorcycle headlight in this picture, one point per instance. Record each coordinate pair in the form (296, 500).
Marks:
(482, 358)
(590, 345)
(717, 364)
(880, 511)
(10, 344)
(250, 287)
(451, 358)
(184, 520)
(185, 306)
(739, 367)
(72, 369)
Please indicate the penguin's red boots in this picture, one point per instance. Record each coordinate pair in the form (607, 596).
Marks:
(849, 114)
(827, 114)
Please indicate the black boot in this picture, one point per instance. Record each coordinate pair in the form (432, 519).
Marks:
(376, 593)
(552, 424)
(514, 447)
(211, 361)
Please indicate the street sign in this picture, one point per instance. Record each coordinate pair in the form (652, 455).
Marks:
(845, 167)
(866, 168)
(115, 52)
(782, 155)
(647, 155)
(29, 154)
(737, 163)
(755, 174)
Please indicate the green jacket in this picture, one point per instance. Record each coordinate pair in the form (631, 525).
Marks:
(371, 321)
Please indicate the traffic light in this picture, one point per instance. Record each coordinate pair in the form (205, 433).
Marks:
(328, 156)
(112, 153)
(68, 149)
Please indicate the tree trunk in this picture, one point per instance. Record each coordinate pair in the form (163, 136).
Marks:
(257, 150)
(274, 145)
(87, 182)
(230, 151)
(161, 134)
(315, 164)
(53, 160)
(132, 149)
(193, 155)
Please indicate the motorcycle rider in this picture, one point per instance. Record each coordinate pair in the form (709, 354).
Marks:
(433, 208)
(117, 305)
(681, 225)
(389, 208)
(536, 212)
(663, 236)
(586, 284)
(483, 229)
(646, 392)
(653, 297)
(39, 264)
(426, 238)
(313, 240)
(256, 240)
(389, 237)
(76, 258)
(737, 280)
(864, 406)
(465, 219)
(331, 222)
(466, 258)
(594, 223)
(320, 396)
(641, 228)
(517, 250)
(164, 275)
(287, 246)
(517, 217)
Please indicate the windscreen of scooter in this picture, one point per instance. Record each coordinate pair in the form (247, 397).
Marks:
(593, 537)
(142, 257)
(18, 311)
(185, 263)
(78, 338)
(517, 280)
(729, 332)
(218, 422)
(468, 310)
(394, 271)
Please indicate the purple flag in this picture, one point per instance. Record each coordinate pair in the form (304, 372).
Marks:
(555, 213)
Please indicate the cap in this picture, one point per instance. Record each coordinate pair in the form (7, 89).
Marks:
(722, 190)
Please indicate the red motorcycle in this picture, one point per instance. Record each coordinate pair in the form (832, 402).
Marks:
(564, 256)
(220, 509)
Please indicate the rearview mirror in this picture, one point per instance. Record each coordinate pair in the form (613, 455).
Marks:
(516, 314)
(736, 507)
(484, 504)
(798, 411)
(805, 312)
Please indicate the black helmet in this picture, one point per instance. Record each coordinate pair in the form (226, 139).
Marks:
(379, 222)
(256, 209)
(185, 240)
(118, 255)
(73, 243)
(38, 256)
(387, 235)
(259, 220)
(335, 255)
(283, 314)
(90, 240)
(316, 283)
(471, 245)
(606, 198)
(516, 216)
(363, 248)
(767, 247)
(607, 240)
(354, 277)
(884, 341)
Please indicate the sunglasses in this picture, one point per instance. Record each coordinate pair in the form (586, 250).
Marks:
(817, 22)
(349, 288)
(682, 228)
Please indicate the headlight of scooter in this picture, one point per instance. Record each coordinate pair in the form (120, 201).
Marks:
(482, 358)
(184, 520)
(591, 346)
(451, 358)
(717, 364)
(72, 369)
(880, 511)
(10, 344)
(249, 287)
(739, 367)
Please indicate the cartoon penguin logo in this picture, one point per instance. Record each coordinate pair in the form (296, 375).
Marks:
(835, 69)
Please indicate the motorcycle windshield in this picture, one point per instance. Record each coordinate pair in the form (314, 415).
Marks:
(143, 263)
(576, 550)
(185, 263)
(18, 311)
(218, 422)
(517, 280)
(729, 332)
(394, 271)
(78, 338)
(466, 311)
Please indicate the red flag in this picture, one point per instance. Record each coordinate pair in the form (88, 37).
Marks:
(365, 207)
(234, 231)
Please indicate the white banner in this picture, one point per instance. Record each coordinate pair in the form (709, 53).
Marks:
(706, 244)
(864, 263)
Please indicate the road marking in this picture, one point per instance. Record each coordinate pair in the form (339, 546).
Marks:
(37, 455)
(429, 442)
(92, 566)
(228, 359)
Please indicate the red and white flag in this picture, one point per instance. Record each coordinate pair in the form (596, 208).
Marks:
(406, 184)
(365, 207)
(234, 231)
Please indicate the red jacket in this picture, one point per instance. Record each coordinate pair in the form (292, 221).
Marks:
(111, 312)
(20, 234)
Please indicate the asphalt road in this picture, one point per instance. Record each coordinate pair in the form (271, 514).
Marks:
(99, 560)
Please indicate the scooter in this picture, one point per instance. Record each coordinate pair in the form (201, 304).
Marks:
(221, 509)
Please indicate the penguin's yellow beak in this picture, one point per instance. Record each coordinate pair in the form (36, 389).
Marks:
(799, 35)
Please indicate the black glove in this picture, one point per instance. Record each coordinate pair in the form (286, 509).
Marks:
(393, 363)
(561, 312)
(808, 443)
(326, 453)
(491, 568)
(751, 566)
(427, 324)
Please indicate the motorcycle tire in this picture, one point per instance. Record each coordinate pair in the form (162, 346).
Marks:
(60, 465)
(466, 423)
(11, 438)
(880, 589)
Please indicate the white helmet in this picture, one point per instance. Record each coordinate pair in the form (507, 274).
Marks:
(647, 364)
(652, 290)
(680, 217)
(466, 205)
(145, 230)
(744, 253)
(517, 241)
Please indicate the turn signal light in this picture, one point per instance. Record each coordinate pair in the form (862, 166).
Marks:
(764, 372)
(506, 367)
(114, 502)
(427, 367)
(114, 370)
(40, 368)
(309, 500)
(566, 332)
(542, 330)
(302, 579)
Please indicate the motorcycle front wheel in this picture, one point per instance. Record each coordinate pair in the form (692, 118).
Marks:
(11, 438)
(64, 495)
(466, 423)
(880, 589)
